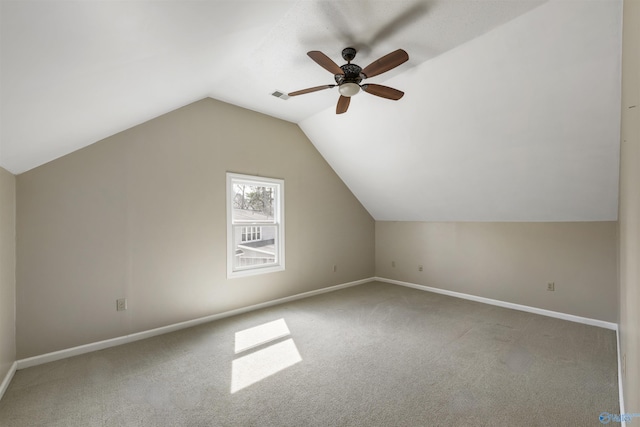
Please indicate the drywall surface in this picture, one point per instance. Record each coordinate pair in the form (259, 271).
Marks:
(510, 262)
(7, 271)
(629, 219)
(519, 124)
(141, 215)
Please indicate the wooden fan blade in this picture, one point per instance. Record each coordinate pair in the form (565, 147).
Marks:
(311, 89)
(343, 104)
(325, 62)
(386, 63)
(383, 91)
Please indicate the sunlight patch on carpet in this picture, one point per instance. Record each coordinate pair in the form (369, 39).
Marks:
(262, 334)
(260, 364)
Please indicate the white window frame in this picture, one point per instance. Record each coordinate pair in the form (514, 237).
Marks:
(277, 222)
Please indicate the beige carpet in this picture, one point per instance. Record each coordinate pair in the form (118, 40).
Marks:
(370, 355)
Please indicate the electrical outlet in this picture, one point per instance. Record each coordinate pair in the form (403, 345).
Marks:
(335, 268)
(121, 304)
(420, 268)
(393, 264)
(551, 286)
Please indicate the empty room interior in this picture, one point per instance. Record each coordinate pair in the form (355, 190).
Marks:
(305, 212)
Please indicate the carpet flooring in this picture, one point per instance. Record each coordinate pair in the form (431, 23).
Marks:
(370, 355)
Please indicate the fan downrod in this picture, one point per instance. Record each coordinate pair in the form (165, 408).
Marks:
(351, 73)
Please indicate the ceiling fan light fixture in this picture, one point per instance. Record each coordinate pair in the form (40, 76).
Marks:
(349, 89)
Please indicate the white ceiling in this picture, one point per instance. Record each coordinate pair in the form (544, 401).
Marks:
(511, 110)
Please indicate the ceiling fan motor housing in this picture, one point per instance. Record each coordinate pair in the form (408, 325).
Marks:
(352, 74)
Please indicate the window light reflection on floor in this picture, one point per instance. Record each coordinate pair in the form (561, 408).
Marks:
(260, 364)
(261, 334)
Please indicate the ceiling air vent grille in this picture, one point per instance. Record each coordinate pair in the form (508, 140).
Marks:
(280, 94)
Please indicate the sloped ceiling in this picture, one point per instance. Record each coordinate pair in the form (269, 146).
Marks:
(511, 110)
(521, 124)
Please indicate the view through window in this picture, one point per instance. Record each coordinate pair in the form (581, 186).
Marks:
(255, 224)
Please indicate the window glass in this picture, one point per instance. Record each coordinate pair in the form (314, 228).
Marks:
(255, 228)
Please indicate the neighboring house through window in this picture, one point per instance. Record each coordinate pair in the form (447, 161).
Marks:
(251, 234)
(255, 225)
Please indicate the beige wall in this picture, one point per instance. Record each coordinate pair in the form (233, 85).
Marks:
(7, 271)
(629, 216)
(142, 215)
(510, 262)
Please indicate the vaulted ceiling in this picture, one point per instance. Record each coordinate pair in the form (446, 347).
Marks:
(511, 109)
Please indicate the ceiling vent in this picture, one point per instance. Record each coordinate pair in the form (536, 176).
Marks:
(281, 95)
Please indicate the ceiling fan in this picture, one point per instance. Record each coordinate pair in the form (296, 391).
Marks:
(349, 76)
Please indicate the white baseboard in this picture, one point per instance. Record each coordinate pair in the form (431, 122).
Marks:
(87, 348)
(535, 310)
(100, 345)
(541, 311)
(7, 379)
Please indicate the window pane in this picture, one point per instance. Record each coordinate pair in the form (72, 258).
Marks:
(256, 253)
(255, 225)
(253, 202)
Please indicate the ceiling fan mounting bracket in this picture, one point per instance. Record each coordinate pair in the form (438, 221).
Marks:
(348, 53)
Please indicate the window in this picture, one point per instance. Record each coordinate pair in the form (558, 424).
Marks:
(251, 234)
(255, 225)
